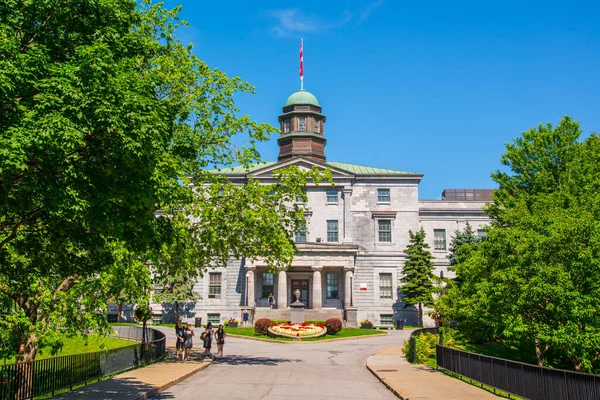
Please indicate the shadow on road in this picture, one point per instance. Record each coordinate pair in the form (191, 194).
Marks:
(247, 360)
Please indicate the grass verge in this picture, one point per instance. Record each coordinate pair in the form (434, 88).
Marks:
(78, 345)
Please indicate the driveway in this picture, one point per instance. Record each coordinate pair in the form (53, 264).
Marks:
(317, 370)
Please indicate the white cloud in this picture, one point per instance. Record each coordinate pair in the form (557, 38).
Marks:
(364, 14)
(294, 22)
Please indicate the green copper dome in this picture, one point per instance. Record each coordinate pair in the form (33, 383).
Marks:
(302, 97)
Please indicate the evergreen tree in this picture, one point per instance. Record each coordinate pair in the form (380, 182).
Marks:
(466, 236)
(418, 276)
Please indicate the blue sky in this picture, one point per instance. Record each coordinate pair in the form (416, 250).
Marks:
(434, 87)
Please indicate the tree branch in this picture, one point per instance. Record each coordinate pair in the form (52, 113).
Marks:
(30, 41)
(15, 229)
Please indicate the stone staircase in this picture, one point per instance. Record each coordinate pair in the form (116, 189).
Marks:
(309, 314)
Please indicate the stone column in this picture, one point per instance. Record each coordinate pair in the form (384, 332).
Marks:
(317, 297)
(282, 289)
(347, 215)
(348, 287)
(250, 287)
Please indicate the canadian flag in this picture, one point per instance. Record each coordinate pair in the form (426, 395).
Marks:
(301, 62)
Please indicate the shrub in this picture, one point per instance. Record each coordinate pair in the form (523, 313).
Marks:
(262, 325)
(425, 346)
(333, 325)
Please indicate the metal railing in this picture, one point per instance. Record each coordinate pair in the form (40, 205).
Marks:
(36, 378)
(412, 339)
(520, 379)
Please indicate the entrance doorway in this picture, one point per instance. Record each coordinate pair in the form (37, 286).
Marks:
(302, 286)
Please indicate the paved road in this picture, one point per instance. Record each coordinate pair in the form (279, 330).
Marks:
(262, 370)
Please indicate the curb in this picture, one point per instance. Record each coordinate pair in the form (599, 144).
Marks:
(305, 342)
(157, 390)
(382, 380)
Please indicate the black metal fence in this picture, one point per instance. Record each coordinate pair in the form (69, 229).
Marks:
(413, 343)
(36, 378)
(523, 380)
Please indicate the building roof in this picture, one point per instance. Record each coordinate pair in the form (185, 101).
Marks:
(364, 170)
(353, 168)
(467, 194)
(302, 97)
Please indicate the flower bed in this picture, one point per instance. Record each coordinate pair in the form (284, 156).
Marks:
(302, 330)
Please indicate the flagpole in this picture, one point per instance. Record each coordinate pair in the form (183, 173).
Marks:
(301, 63)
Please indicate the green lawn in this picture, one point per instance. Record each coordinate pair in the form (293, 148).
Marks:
(346, 332)
(501, 350)
(78, 345)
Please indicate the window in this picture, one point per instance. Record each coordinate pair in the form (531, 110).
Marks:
(317, 126)
(299, 198)
(267, 284)
(383, 195)
(386, 319)
(332, 286)
(286, 126)
(214, 285)
(214, 319)
(332, 195)
(481, 233)
(385, 286)
(332, 231)
(301, 124)
(301, 235)
(384, 227)
(439, 239)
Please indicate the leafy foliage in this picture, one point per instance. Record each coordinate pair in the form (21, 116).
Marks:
(106, 117)
(536, 277)
(333, 325)
(424, 348)
(418, 279)
(262, 325)
(176, 265)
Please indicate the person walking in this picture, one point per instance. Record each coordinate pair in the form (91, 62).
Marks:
(245, 319)
(188, 342)
(179, 333)
(271, 300)
(207, 339)
(220, 336)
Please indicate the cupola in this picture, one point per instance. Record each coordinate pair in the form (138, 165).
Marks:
(302, 128)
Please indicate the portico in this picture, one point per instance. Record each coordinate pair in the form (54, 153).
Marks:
(322, 272)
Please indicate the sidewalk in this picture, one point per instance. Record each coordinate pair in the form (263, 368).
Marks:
(144, 382)
(420, 382)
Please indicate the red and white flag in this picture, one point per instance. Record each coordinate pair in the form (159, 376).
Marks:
(301, 66)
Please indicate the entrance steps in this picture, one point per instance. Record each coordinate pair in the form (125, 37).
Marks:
(309, 314)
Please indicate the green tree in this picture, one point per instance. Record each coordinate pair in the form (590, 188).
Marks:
(536, 277)
(105, 116)
(176, 267)
(418, 279)
(460, 238)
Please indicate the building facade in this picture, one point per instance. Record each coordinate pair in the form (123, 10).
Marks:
(351, 255)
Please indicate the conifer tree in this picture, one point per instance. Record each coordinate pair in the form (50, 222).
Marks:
(418, 280)
(466, 236)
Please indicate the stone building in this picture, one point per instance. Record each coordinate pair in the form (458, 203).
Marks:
(351, 256)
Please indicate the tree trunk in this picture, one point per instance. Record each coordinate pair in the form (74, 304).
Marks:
(539, 354)
(420, 315)
(176, 311)
(24, 374)
(120, 312)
